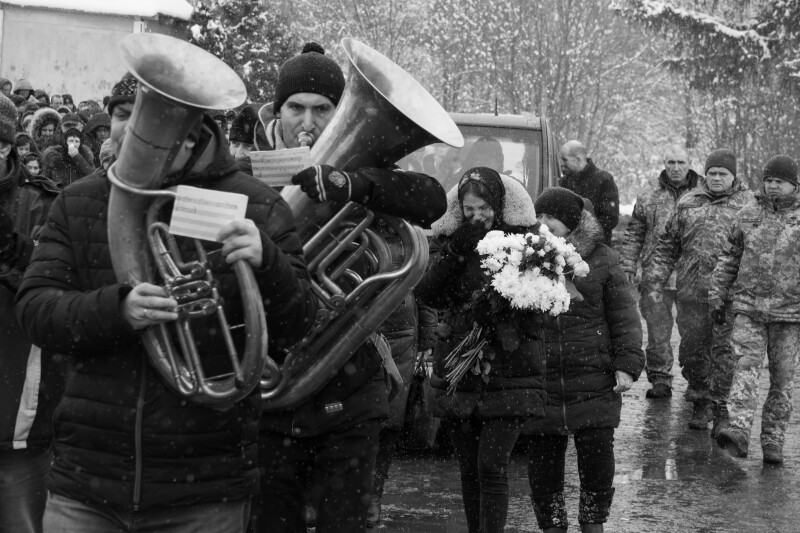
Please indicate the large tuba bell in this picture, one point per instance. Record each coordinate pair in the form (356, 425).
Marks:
(177, 82)
(383, 115)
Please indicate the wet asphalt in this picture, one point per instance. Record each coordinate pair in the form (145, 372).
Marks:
(669, 478)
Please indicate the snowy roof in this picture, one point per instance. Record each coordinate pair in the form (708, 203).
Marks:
(180, 9)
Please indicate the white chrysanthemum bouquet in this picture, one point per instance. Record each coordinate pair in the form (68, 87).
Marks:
(525, 273)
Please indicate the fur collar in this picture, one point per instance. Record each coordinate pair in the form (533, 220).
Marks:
(518, 209)
(587, 236)
(38, 120)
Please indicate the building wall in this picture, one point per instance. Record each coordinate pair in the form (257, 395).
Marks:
(68, 52)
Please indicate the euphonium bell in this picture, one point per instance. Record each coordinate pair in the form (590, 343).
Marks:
(177, 82)
(383, 115)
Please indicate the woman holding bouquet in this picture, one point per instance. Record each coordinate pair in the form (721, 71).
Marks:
(593, 355)
(485, 406)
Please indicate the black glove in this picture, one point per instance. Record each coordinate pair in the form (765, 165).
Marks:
(465, 238)
(6, 230)
(717, 311)
(324, 183)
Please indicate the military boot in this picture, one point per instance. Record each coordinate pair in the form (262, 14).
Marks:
(658, 391)
(720, 420)
(773, 454)
(700, 415)
(734, 440)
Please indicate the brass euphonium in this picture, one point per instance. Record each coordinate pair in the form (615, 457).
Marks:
(177, 82)
(383, 115)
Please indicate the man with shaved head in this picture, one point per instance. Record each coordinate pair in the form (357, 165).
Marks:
(581, 176)
(650, 215)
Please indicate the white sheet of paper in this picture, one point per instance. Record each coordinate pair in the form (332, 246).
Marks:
(276, 167)
(201, 213)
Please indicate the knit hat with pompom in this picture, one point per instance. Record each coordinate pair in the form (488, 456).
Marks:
(310, 72)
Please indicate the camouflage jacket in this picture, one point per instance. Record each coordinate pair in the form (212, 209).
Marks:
(650, 215)
(692, 240)
(759, 268)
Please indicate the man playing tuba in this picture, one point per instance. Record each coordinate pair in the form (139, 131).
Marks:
(326, 447)
(130, 453)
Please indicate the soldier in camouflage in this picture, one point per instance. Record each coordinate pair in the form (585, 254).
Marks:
(691, 241)
(650, 215)
(759, 271)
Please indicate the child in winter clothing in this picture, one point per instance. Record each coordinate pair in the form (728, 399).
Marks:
(593, 354)
(759, 271)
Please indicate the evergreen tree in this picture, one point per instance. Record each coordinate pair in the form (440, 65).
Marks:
(248, 36)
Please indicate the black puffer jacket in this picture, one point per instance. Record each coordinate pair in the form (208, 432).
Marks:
(515, 385)
(122, 438)
(588, 343)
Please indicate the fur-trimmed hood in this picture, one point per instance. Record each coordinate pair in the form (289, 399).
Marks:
(587, 236)
(39, 118)
(517, 211)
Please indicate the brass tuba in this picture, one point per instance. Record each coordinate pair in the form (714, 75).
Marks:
(177, 82)
(383, 115)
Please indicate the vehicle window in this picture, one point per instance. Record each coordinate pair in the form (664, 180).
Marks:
(511, 151)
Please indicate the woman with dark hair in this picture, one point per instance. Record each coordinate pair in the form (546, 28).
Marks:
(69, 161)
(483, 413)
(594, 353)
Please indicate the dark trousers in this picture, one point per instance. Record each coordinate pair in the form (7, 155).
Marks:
(334, 470)
(483, 449)
(595, 451)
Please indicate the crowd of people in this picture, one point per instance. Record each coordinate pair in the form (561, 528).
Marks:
(92, 439)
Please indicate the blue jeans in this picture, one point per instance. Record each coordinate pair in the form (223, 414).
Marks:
(65, 515)
(22, 489)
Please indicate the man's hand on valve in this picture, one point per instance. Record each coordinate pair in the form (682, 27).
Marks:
(324, 183)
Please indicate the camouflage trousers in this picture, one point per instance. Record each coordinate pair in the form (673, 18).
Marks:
(705, 354)
(659, 358)
(781, 342)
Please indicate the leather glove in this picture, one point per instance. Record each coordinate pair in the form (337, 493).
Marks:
(466, 237)
(6, 230)
(324, 183)
(717, 311)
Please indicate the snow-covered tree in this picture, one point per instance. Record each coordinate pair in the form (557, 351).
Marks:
(743, 71)
(251, 37)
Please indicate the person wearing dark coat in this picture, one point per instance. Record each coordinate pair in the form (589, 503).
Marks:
(326, 446)
(484, 414)
(43, 127)
(241, 137)
(594, 353)
(68, 162)
(127, 449)
(581, 176)
(31, 383)
(97, 131)
(410, 332)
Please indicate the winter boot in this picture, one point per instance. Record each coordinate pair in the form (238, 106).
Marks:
(659, 390)
(734, 440)
(700, 415)
(721, 421)
(550, 511)
(773, 454)
(374, 512)
(593, 508)
(591, 528)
